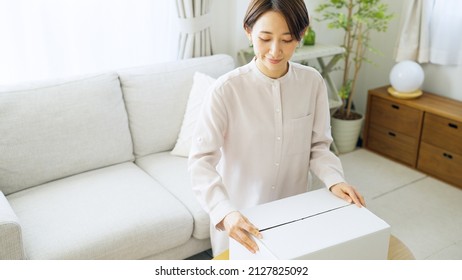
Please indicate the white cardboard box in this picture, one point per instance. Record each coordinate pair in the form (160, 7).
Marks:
(314, 225)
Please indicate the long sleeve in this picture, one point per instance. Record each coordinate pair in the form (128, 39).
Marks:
(324, 164)
(204, 157)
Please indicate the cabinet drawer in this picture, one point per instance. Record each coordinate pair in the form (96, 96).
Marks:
(440, 163)
(393, 144)
(395, 116)
(443, 133)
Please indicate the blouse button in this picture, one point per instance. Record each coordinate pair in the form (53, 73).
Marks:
(199, 139)
(278, 138)
(273, 187)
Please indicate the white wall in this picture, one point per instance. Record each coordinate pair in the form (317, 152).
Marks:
(227, 33)
(229, 37)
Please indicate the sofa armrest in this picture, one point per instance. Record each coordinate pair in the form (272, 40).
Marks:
(11, 243)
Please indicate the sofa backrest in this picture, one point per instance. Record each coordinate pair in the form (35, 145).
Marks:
(156, 98)
(58, 129)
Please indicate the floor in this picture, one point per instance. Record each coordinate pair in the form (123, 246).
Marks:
(424, 213)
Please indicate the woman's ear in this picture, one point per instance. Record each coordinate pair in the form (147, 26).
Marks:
(248, 33)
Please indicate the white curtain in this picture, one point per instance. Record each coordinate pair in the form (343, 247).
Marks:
(431, 32)
(194, 23)
(43, 39)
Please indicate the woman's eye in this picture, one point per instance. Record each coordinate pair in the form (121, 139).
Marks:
(284, 41)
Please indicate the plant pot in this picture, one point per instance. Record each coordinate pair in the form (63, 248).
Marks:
(346, 133)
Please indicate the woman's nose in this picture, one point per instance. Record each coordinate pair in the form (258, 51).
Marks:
(275, 49)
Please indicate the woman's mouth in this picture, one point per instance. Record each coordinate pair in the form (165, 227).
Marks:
(274, 61)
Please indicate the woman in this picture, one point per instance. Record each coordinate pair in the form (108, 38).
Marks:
(263, 127)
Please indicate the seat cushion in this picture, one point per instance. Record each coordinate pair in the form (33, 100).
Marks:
(156, 98)
(52, 130)
(172, 172)
(117, 212)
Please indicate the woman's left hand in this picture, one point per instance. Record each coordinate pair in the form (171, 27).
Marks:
(348, 193)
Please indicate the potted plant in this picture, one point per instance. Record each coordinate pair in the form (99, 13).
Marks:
(357, 18)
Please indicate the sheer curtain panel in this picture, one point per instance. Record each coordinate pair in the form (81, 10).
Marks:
(194, 23)
(430, 32)
(43, 39)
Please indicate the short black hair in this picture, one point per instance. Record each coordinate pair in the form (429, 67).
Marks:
(294, 12)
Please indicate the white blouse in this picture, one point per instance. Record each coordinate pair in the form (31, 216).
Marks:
(257, 138)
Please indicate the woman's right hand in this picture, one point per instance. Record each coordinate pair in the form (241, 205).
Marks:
(240, 229)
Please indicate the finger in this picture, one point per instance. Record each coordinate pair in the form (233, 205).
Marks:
(253, 230)
(239, 232)
(352, 193)
(356, 196)
(361, 198)
(356, 200)
(244, 239)
(344, 195)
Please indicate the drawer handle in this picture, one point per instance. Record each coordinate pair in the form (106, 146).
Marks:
(392, 134)
(395, 106)
(446, 155)
(453, 125)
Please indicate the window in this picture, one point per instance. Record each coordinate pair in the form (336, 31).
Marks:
(431, 32)
(46, 39)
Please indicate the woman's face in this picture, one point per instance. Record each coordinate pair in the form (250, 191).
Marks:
(272, 43)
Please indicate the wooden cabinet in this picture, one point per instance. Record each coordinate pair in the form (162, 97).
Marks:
(394, 129)
(423, 133)
(441, 148)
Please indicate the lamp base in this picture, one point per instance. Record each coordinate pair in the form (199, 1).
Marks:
(404, 95)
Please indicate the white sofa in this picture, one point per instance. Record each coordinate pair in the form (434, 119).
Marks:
(86, 170)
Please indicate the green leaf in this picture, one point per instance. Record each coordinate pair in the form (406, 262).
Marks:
(359, 19)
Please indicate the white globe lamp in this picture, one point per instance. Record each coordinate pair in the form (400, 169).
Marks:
(406, 79)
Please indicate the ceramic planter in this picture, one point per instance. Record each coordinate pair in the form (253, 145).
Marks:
(346, 133)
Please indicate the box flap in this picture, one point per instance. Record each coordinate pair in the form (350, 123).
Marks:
(313, 225)
(293, 208)
(321, 231)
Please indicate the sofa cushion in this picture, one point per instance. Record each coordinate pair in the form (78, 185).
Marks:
(156, 98)
(57, 130)
(11, 245)
(196, 98)
(172, 173)
(117, 212)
